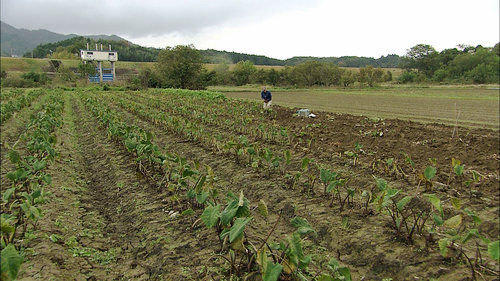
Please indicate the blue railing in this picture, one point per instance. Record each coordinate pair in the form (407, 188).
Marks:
(106, 77)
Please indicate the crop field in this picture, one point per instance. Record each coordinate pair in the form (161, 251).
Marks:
(467, 106)
(193, 185)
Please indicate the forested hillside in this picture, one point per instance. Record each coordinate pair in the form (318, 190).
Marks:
(128, 51)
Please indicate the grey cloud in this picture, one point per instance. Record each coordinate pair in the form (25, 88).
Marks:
(137, 19)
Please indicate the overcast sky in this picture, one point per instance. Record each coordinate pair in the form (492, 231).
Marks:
(275, 28)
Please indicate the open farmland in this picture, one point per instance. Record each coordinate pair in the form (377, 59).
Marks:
(468, 106)
(192, 185)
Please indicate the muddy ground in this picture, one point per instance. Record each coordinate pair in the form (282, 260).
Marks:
(111, 224)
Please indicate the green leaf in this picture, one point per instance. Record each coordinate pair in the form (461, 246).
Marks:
(493, 250)
(187, 212)
(346, 273)
(7, 225)
(8, 194)
(429, 172)
(325, 277)
(302, 225)
(381, 184)
(262, 207)
(11, 262)
(456, 202)
(199, 183)
(191, 193)
(238, 228)
(393, 192)
(453, 222)
(459, 170)
(39, 165)
(325, 175)
(402, 203)
(389, 161)
(131, 144)
(14, 156)
(333, 264)
(295, 253)
(475, 218)
(438, 220)
(202, 197)
(18, 175)
(435, 201)
(288, 156)
(272, 272)
(211, 215)
(305, 163)
(443, 246)
(471, 234)
(229, 212)
(332, 185)
(47, 178)
(251, 150)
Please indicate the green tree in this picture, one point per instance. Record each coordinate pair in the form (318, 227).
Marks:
(148, 79)
(348, 78)
(479, 66)
(243, 71)
(222, 74)
(180, 67)
(260, 76)
(370, 75)
(86, 69)
(312, 73)
(273, 77)
(422, 57)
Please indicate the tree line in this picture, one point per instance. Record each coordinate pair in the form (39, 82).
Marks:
(464, 64)
(182, 67)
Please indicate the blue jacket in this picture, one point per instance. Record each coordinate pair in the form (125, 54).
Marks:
(266, 95)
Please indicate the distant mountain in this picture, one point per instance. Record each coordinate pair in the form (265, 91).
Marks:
(214, 56)
(18, 41)
(350, 61)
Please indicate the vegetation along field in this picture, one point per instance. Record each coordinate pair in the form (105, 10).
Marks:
(166, 184)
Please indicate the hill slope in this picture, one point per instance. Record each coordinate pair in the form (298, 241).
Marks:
(19, 41)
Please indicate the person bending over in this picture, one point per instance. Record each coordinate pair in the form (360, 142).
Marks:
(266, 97)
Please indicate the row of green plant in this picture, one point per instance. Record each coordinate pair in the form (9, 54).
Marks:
(402, 167)
(281, 260)
(257, 156)
(455, 230)
(174, 174)
(221, 118)
(18, 101)
(7, 94)
(21, 203)
(229, 223)
(168, 171)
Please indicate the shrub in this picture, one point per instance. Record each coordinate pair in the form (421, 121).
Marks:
(440, 75)
(407, 77)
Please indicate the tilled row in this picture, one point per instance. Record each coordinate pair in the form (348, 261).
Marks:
(342, 234)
